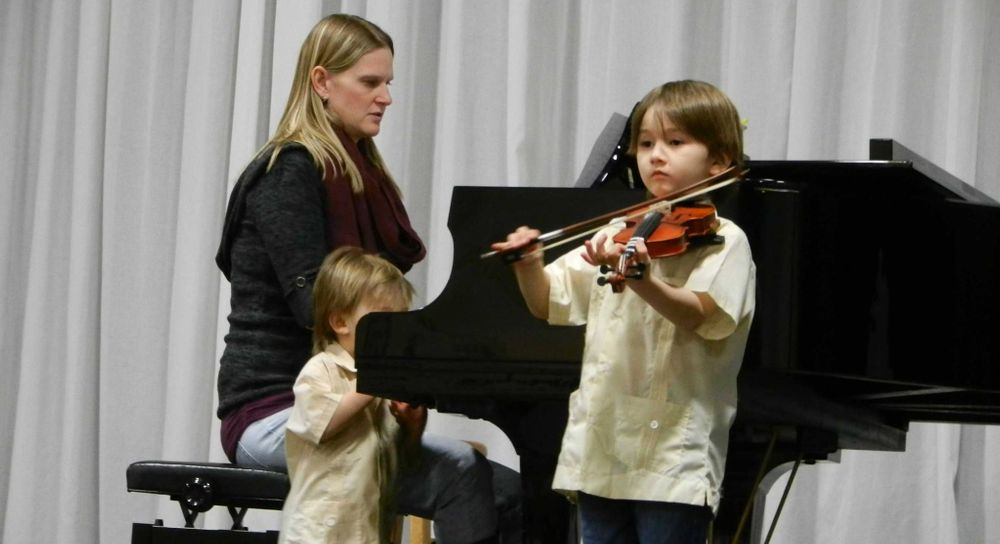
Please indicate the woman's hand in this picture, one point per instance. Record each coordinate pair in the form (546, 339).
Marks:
(411, 417)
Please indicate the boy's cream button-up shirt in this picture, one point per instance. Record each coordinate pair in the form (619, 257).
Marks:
(650, 420)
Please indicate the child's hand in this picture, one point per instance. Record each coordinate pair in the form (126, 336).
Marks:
(597, 252)
(521, 241)
(641, 253)
(411, 417)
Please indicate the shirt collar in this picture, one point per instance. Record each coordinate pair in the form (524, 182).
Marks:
(340, 357)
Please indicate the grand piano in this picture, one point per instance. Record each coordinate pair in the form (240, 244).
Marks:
(877, 305)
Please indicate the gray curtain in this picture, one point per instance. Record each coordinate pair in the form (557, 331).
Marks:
(125, 123)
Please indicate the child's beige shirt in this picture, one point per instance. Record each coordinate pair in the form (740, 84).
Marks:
(334, 495)
(651, 418)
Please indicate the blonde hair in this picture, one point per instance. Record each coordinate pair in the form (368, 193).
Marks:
(348, 277)
(699, 109)
(335, 43)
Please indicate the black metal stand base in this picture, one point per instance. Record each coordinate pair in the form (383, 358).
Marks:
(150, 533)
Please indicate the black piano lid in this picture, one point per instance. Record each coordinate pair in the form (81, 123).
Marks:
(477, 338)
(876, 285)
(884, 149)
(889, 161)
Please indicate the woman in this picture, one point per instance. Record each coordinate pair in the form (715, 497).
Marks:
(319, 184)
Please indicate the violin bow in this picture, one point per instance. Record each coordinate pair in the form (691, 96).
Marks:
(589, 226)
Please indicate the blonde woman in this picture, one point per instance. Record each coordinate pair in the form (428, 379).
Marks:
(317, 185)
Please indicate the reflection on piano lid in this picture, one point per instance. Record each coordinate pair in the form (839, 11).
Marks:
(878, 304)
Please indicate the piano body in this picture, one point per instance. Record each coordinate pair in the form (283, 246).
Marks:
(877, 305)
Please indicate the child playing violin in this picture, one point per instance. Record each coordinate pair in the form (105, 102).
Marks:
(645, 445)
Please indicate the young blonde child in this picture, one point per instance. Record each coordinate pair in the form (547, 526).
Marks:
(645, 445)
(341, 445)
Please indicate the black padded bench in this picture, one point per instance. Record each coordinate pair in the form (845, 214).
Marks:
(198, 487)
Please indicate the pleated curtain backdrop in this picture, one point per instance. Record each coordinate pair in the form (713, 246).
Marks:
(125, 123)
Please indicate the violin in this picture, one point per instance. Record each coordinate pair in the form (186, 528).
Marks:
(665, 235)
(675, 231)
(677, 226)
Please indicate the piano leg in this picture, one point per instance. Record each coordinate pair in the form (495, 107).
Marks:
(548, 516)
(753, 464)
(536, 430)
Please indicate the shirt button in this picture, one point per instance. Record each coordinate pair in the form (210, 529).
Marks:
(330, 522)
(300, 282)
(654, 424)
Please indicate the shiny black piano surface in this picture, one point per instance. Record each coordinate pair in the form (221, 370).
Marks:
(877, 305)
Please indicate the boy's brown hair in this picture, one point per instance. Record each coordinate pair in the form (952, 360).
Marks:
(699, 109)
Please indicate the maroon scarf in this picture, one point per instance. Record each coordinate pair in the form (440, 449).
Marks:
(374, 220)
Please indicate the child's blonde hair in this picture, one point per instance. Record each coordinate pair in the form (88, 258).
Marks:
(699, 109)
(336, 43)
(347, 277)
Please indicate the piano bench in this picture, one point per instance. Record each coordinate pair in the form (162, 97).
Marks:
(198, 487)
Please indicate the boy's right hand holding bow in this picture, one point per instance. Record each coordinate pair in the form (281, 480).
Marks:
(521, 244)
(529, 269)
